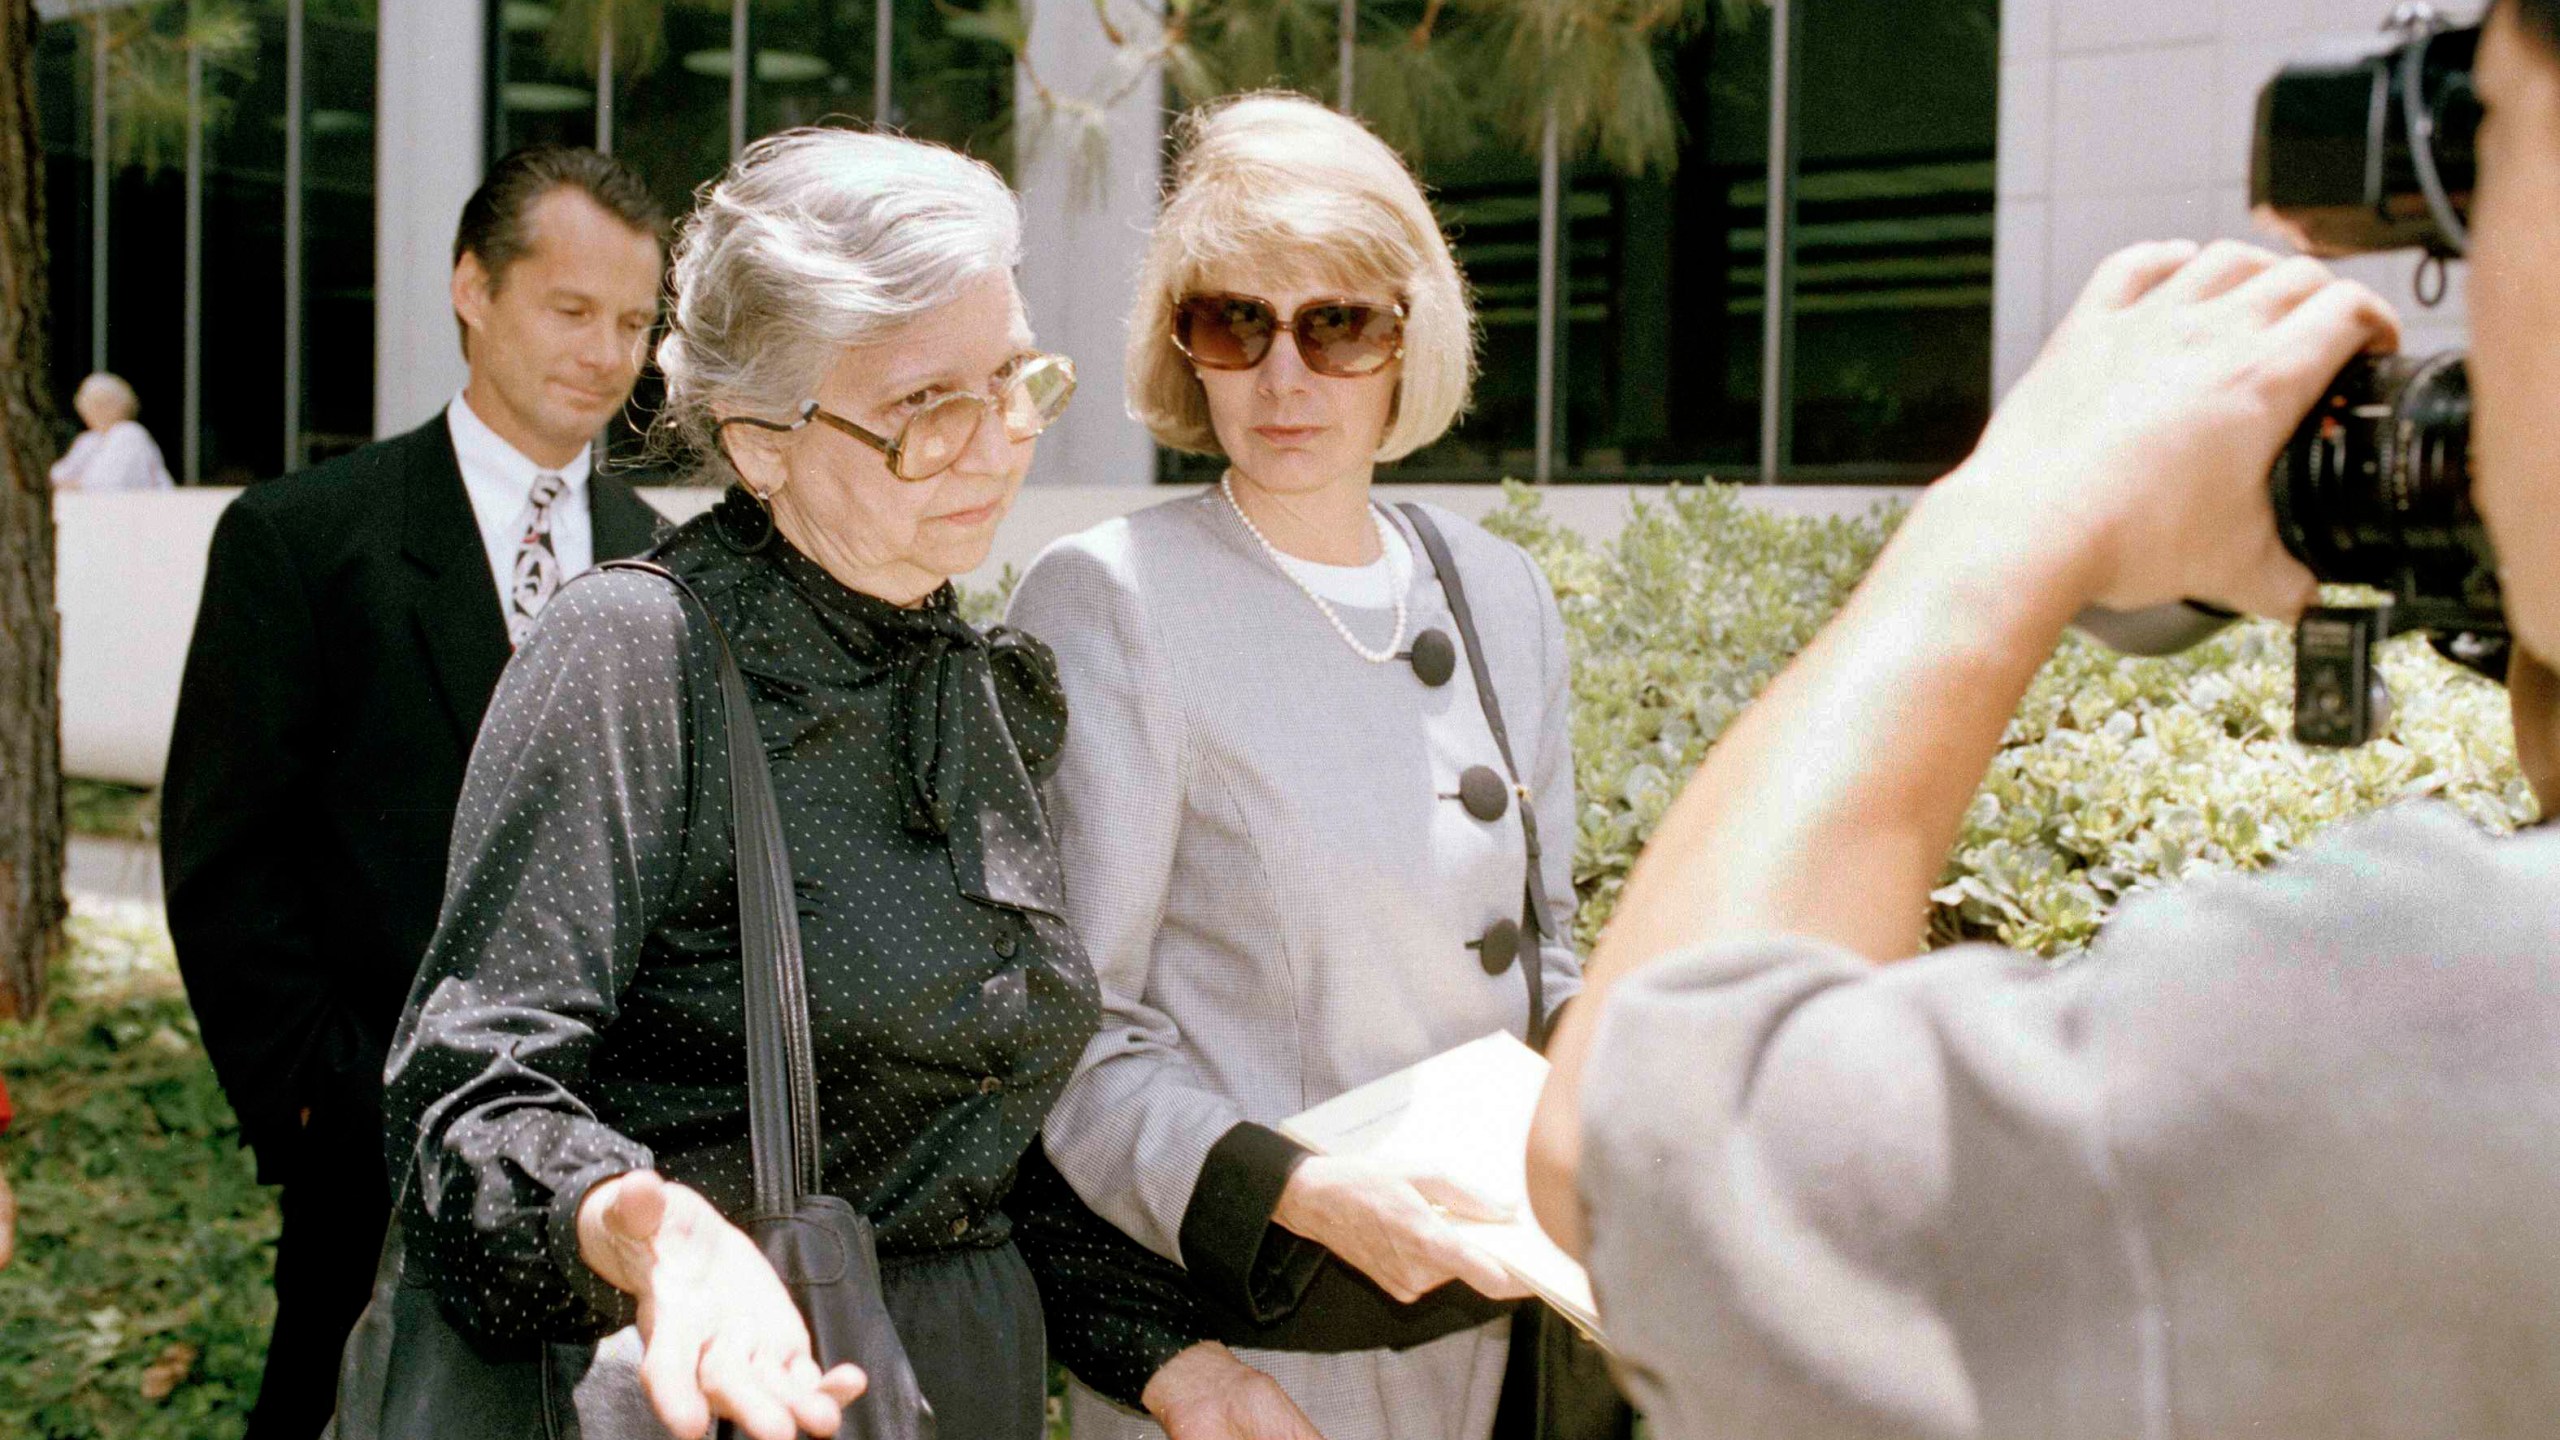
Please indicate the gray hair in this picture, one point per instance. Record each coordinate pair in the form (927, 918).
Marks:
(816, 240)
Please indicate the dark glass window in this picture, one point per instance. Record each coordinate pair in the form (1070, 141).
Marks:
(243, 375)
(339, 60)
(1893, 267)
(1663, 280)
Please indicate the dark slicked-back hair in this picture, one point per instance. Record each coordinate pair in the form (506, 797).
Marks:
(497, 219)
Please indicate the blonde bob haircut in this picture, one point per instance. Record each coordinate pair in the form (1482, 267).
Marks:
(1275, 185)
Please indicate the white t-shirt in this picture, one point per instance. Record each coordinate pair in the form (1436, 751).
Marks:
(499, 479)
(121, 457)
(1373, 586)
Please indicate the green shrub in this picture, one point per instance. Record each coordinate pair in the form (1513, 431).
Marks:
(2117, 773)
(138, 1305)
(109, 809)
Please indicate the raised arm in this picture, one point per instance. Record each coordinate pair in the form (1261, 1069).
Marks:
(2128, 469)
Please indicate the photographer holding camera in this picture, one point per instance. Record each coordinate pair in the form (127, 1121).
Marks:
(2282, 1155)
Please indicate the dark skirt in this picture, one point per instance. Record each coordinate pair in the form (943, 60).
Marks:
(970, 1322)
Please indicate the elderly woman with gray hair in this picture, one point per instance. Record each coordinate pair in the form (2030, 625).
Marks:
(567, 1090)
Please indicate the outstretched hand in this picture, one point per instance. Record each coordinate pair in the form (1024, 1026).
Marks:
(720, 1336)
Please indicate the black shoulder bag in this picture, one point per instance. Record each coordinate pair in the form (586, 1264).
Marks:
(408, 1374)
(1557, 1385)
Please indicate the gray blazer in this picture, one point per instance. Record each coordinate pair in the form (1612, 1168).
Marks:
(1259, 854)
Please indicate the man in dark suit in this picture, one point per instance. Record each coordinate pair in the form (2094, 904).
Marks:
(354, 621)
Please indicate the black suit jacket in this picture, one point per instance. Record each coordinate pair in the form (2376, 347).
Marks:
(349, 639)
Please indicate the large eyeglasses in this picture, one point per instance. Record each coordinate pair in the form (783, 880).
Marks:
(1027, 401)
(1345, 339)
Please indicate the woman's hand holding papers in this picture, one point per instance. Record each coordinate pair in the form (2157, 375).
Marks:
(1394, 1226)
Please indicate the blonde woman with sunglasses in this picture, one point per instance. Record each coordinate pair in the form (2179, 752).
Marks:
(1292, 840)
(847, 343)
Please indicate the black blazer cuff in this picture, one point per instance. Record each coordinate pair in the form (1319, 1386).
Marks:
(1236, 1256)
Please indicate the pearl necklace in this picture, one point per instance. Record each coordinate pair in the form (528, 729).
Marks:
(1226, 487)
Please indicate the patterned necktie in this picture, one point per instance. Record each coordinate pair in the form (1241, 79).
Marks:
(537, 572)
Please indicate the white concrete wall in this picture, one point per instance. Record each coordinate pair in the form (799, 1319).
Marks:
(2127, 120)
(428, 137)
(131, 569)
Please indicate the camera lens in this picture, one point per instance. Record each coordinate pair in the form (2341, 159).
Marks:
(2374, 489)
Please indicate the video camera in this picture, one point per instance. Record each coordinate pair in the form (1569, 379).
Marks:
(2359, 148)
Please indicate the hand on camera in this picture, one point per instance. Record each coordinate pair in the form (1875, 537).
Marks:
(721, 1338)
(2138, 444)
(1206, 1393)
(1382, 1222)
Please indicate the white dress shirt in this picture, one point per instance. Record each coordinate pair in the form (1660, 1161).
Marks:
(121, 457)
(499, 479)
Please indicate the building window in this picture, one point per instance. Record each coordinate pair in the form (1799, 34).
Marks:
(209, 178)
(1661, 277)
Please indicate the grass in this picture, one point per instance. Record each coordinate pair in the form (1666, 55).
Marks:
(138, 1306)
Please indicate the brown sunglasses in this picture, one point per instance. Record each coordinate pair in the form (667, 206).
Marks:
(1344, 339)
(1027, 400)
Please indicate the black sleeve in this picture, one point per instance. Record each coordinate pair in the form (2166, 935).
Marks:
(236, 834)
(567, 848)
(1116, 1310)
(1229, 1243)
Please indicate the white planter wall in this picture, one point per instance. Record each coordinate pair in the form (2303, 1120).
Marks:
(131, 568)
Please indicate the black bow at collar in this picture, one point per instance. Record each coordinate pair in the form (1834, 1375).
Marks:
(984, 719)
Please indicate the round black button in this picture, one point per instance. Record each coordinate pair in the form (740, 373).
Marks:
(1006, 942)
(1499, 947)
(1482, 791)
(1434, 658)
(990, 1085)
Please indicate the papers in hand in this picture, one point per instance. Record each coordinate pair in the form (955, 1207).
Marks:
(1465, 1114)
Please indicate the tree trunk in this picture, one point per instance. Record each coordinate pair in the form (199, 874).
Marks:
(31, 906)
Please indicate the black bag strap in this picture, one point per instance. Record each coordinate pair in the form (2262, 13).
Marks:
(1535, 923)
(782, 1086)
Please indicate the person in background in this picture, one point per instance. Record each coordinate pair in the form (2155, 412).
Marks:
(113, 451)
(354, 621)
(2281, 1155)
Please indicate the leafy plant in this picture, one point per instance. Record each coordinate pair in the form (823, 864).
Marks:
(105, 808)
(1435, 80)
(138, 1305)
(147, 50)
(2116, 775)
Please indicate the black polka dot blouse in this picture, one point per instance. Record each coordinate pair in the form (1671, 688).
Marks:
(580, 1011)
